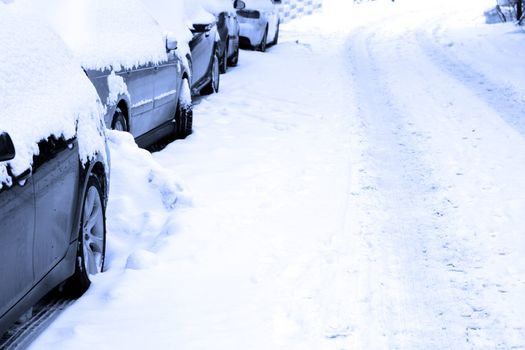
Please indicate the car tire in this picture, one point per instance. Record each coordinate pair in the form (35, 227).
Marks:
(91, 248)
(262, 45)
(119, 121)
(213, 85)
(224, 61)
(276, 37)
(232, 62)
(184, 113)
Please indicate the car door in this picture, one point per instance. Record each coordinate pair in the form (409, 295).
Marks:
(140, 85)
(17, 223)
(55, 175)
(201, 46)
(167, 78)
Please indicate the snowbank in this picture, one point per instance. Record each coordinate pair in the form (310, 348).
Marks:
(43, 90)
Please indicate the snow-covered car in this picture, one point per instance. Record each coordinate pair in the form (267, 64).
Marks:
(259, 24)
(199, 39)
(141, 79)
(53, 166)
(227, 28)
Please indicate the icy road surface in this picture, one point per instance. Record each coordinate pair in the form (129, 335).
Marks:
(359, 186)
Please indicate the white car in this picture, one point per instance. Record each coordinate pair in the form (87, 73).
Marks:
(259, 24)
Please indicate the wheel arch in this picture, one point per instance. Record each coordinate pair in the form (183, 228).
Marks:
(123, 106)
(93, 167)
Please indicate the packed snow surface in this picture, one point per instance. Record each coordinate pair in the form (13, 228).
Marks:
(358, 186)
(43, 90)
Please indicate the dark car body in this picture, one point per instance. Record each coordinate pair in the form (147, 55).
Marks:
(40, 219)
(149, 105)
(204, 58)
(228, 30)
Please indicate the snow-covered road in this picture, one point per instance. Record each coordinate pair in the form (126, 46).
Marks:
(359, 186)
(441, 153)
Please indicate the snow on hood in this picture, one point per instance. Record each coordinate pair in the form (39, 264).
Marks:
(43, 90)
(259, 4)
(171, 17)
(107, 33)
(195, 13)
(177, 18)
(217, 6)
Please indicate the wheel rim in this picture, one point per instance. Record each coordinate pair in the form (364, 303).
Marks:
(93, 232)
(215, 73)
(119, 126)
(119, 121)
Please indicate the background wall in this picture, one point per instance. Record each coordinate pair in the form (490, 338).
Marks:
(291, 9)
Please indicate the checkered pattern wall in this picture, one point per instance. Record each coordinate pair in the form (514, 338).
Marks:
(291, 9)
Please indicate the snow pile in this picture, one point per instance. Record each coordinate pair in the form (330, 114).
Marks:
(117, 87)
(135, 174)
(43, 90)
(107, 33)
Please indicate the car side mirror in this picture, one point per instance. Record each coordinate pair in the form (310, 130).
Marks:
(7, 149)
(171, 44)
(239, 4)
(202, 28)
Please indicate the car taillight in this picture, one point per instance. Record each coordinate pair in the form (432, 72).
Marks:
(249, 13)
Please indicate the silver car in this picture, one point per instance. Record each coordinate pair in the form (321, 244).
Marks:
(259, 24)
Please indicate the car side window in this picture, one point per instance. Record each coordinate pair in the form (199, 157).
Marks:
(49, 148)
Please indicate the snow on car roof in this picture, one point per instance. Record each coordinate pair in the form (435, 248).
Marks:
(107, 33)
(43, 89)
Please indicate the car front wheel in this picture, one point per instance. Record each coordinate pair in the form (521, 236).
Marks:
(119, 121)
(235, 58)
(276, 36)
(213, 85)
(262, 45)
(91, 239)
(224, 61)
(184, 114)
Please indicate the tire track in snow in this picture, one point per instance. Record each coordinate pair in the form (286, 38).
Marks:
(402, 219)
(407, 102)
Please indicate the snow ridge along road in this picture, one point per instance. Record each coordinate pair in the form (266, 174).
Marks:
(352, 188)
